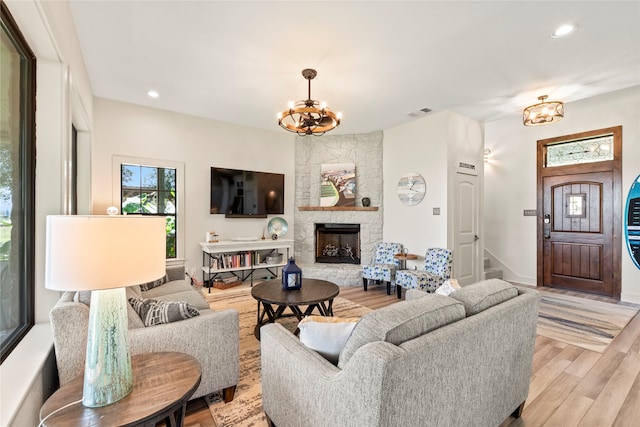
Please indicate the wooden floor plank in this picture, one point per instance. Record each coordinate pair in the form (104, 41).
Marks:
(547, 353)
(630, 409)
(570, 412)
(583, 363)
(541, 409)
(605, 409)
(546, 376)
(596, 379)
(627, 336)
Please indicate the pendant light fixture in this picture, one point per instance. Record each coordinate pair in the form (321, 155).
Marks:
(543, 113)
(308, 117)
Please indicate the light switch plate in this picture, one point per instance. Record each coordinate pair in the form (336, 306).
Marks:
(530, 212)
(436, 211)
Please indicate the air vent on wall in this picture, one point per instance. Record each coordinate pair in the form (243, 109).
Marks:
(421, 112)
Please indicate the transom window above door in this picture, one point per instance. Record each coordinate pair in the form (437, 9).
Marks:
(590, 150)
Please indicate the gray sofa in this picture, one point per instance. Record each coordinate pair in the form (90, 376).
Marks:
(432, 360)
(211, 337)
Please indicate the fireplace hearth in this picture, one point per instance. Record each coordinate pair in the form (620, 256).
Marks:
(338, 243)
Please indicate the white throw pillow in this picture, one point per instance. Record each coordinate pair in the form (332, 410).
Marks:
(326, 335)
(448, 287)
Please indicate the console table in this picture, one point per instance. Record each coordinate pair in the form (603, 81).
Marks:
(246, 256)
(162, 385)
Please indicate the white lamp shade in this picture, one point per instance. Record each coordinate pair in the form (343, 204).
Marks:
(103, 252)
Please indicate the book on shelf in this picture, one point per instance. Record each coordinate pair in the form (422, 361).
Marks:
(230, 261)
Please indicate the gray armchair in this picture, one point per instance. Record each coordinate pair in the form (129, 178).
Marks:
(212, 337)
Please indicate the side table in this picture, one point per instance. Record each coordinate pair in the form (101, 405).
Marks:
(162, 385)
(403, 259)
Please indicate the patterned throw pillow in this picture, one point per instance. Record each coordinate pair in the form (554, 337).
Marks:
(150, 285)
(154, 312)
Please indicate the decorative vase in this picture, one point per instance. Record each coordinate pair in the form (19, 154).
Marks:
(366, 202)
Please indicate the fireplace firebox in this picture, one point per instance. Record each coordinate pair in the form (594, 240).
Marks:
(338, 243)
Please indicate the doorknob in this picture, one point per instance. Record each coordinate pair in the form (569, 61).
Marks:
(475, 237)
(547, 225)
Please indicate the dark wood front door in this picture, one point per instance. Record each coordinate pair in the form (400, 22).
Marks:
(578, 232)
(579, 213)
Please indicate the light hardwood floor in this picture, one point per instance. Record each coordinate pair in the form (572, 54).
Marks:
(570, 386)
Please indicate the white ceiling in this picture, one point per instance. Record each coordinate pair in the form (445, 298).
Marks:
(241, 62)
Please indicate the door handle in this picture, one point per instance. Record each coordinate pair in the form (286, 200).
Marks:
(547, 226)
(475, 237)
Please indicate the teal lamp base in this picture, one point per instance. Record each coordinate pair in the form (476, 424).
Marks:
(107, 372)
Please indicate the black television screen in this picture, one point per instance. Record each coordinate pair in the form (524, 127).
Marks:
(238, 193)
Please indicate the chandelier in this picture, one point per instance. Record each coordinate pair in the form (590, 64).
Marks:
(308, 117)
(543, 113)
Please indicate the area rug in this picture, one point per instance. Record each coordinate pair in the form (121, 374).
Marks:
(582, 322)
(246, 408)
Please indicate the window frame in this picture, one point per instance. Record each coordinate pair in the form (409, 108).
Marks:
(117, 163)
(27, 165)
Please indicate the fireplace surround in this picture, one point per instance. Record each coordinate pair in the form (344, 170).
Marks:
(365, 150)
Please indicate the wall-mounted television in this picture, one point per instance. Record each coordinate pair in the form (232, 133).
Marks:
(242, 193)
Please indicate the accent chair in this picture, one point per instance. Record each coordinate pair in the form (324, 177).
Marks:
(437, 269)
(384, 266)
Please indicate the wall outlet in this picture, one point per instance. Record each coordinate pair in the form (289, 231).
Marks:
(436, 211)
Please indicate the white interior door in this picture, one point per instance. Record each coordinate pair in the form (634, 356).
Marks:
(465, 251)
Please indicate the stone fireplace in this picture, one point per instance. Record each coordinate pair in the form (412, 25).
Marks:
(338, 243)
(365, 151)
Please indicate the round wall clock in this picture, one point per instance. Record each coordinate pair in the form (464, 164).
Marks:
(411, 188)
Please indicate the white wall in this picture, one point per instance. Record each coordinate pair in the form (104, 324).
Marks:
(418, 146)
(465, 144)
(510, 179)
(128, 130)
(433, 146)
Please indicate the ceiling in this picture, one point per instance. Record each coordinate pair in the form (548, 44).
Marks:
(378, 62)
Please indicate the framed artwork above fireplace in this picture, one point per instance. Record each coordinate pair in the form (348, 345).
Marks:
(338, 184)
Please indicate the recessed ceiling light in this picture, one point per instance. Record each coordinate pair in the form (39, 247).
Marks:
(153, 94)
(563, 30)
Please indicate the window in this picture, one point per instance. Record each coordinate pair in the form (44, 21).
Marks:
(151, 190)
(17, 184)
(598, 149)
(576, 205)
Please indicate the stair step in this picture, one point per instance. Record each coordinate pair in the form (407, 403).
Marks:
(492, 273)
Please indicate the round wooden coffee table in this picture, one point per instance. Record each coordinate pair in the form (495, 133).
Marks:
(315, 294)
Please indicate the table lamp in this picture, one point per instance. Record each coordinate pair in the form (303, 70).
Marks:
(104, 254)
